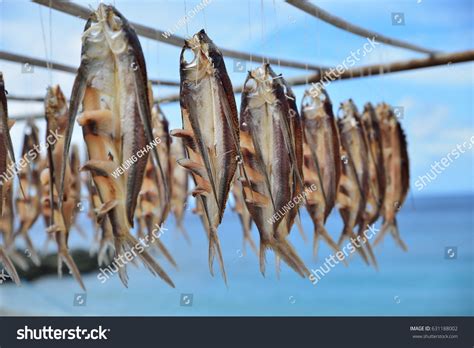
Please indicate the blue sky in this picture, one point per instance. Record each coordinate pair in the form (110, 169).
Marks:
(438, 102)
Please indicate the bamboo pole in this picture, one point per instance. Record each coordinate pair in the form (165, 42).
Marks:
(366, 71)
(174, 40)
(18, 58)
(317, 12)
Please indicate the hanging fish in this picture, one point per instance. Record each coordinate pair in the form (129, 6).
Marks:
(354, 184)
(60, 216)
(29, 206)
(7, 157)
(244, 216)
(322, 162)
(153, 208)
(375, 166)
(111, 85)
(210, 132)
(179, 187)
(271, 142)
(396, 165)
(76, 188)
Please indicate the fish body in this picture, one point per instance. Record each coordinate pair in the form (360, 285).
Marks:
(376, 169)
(111, 85)
(29, 206)
(179, 187)
(322, 162)
(244, 216)
(61, 215)
(271, 143)
(210, 132)
(7, 157)
(354, 185)
(396, 167)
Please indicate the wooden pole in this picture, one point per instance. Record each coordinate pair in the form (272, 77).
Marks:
(171, 39)
(317, 12)
(18, 58)
(366, 71)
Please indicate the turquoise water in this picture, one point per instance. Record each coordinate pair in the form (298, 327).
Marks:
(421, 281)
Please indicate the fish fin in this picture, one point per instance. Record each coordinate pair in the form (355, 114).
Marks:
(147, 260)
(64, 256)
(193, 167)
(215, 248)
(9, 267)
(349, 234)
(396, 235)
(201, 191)
(105, 253)
(384, 229)
(286, 252)
(255, 197)
(101, 212)
(262, 258)
(99, 167)
(320, 232)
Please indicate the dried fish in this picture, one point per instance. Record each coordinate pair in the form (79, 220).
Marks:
(354, 184)
(60, 216)
(111, 85)
(396, 166)
(210, 132)
(179, 187)
(322, 163)
(244, 216)
(271, 142)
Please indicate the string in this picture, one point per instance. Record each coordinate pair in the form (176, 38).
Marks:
(204, 16)
(277, 30)
(48, 63)
(50, 43)
(185, 19)
(263, 28)
(250, 33)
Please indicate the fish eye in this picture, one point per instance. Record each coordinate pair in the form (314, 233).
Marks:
(189, 56)
(251, 84)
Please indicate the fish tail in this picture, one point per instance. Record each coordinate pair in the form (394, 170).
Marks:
(158, 242)
(285, 251)
(396, 235)
(391, 226)
(106, 252)
(64, 256)
(347, 233)
(215, 248)
(368, 247)
(277, 266)
(184, 232)
(9, 267)
(300, 227)
(129, 242)
(321, 232)
(262, 258)
(248, 238)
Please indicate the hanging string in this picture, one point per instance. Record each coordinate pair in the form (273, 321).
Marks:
(204, 16)
(185, 19)
(250, 33)
(306, 44)
(263, 28)
(278, 33)
(50, 42)
(48, 62)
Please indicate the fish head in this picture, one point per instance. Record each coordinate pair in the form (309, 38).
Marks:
(196, 57)
(348, 116)
(314, 105)
(112, 26)
(56, 108)
(259, 87)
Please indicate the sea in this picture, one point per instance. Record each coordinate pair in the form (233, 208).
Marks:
(435, 277)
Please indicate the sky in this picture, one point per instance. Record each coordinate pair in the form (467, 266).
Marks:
(437, 102)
